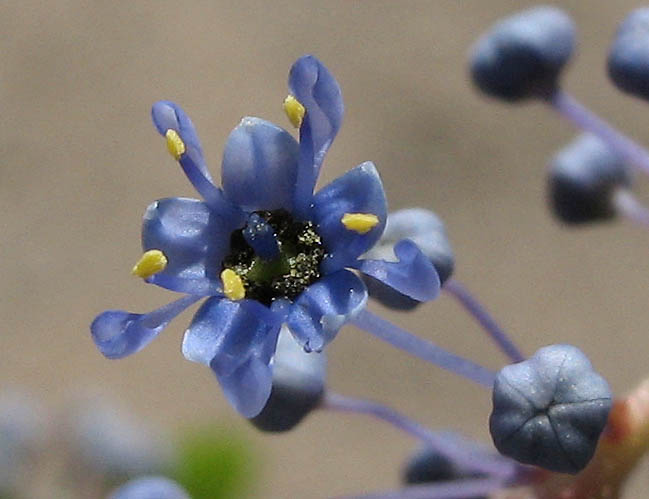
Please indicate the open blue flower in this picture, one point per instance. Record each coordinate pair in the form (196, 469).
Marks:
(263, 249)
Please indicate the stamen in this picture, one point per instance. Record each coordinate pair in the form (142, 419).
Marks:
(359, 222)
(261, 237)
(232, 285)
(294, 111)
(175, 144)
(151, 263)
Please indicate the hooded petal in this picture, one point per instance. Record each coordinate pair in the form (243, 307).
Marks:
(426, 230)
(118, 333)
(321, 310)
(413, 275)
(224, 333)
(167, 115)
(194, 237)
(358, 191)
(311, 83)
(259, 167)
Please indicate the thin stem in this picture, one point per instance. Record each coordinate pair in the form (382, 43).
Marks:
(584, 118)
(426, 350)
(627, 205)
(458, 291)
(456, 489)
(466, 456)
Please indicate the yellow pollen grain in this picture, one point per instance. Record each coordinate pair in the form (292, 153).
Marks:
(232, 285)
(359, 222)
(294, 110)
(175, 144)
(151, 262)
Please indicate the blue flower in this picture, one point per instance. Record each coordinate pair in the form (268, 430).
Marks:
(264, 249)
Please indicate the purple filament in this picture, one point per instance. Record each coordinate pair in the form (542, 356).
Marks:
(468, 301)
(426, 350)
(465, 455)
(584, 118)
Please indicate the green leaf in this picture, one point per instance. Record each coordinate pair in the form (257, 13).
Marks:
(214, 462)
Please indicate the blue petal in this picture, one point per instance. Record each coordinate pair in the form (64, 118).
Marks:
(259, 167)
(118, 333)
(358, 191)
(317, 90)
(322, 309)
(413, 275)
(248, 387)
(166, 116)
(236, 339)
(426, 230)
(194, 238)
(224, 333)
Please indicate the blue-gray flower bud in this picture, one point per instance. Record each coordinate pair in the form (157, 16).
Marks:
(523, 55)
(628, 59)
(427, 465)
(550, 410)
(583, 178)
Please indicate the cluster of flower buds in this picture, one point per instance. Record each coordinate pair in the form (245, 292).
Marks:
(522, 57)
(551, 409)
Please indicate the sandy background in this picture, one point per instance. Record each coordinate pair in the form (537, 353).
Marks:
(81, 161)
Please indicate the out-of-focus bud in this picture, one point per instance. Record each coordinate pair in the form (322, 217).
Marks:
(522, 55)
(149, 487)
(628, 59)
(583, 178)
(111, 443)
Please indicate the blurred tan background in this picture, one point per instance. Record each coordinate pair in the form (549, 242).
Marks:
(81, 161)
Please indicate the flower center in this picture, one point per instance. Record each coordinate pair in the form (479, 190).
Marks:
(275, 256)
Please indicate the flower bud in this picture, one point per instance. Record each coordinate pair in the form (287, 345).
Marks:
(523, 55)
(628, 59)
(583, 177)
(550, 410)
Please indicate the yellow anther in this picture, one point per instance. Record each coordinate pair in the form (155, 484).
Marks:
(151, 262)
(175, 144)
(359, 222)
(294, 110)
(232, 285)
